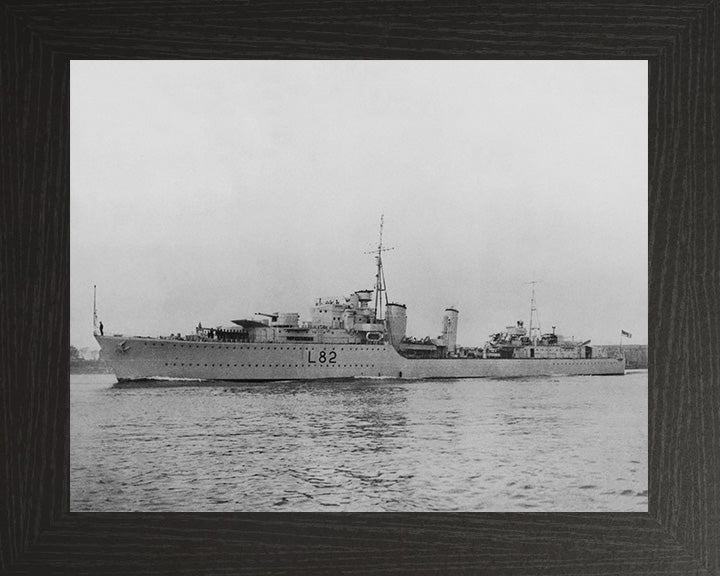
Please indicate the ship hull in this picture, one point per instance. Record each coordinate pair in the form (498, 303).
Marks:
(147, 358)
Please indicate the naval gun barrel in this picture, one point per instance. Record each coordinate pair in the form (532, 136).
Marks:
(273, 316)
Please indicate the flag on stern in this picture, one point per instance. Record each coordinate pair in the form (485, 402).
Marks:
(626, 334)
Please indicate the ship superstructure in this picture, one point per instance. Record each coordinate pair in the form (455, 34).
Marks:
(361, 335)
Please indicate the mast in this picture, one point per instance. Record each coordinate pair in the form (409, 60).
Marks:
(533, 312)
(380, 287)
(95, 331)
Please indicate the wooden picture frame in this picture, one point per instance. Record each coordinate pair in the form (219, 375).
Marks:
(681, 532)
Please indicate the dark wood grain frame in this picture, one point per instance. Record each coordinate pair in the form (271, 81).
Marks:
(681, 532)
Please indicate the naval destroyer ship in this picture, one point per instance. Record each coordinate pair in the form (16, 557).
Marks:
(360, 336)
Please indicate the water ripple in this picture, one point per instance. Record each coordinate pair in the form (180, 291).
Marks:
(559, 444)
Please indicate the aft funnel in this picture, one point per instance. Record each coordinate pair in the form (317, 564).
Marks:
(449, 331)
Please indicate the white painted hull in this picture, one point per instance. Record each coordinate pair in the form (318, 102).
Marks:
(145, 358)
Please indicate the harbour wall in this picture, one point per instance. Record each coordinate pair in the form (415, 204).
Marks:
(636, 355)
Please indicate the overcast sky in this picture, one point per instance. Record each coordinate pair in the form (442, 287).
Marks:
(208, 191)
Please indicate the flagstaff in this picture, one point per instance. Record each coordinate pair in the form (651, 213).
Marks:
(626, 335)
(95, 328)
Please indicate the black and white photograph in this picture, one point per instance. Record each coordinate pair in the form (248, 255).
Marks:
(359, 286)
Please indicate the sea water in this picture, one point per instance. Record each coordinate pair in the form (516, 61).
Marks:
(537, 444)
